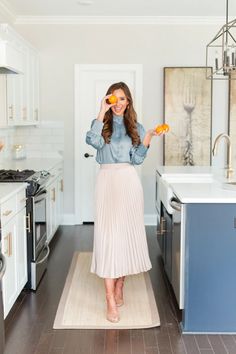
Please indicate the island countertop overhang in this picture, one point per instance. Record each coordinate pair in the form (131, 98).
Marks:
(197, 184)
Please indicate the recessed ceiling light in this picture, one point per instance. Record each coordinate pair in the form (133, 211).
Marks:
(85, 2)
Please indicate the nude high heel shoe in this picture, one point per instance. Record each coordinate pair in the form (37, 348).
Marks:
(112, 312)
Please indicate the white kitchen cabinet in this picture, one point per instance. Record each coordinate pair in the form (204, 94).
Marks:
(33, 82)
(14, 245)
(54, 201)
(19, 99)
(11, 56)
(9, 281)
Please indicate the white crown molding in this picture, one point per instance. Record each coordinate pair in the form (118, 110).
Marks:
(7, 11)
(120, 20)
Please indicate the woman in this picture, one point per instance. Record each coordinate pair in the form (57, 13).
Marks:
(120, 245)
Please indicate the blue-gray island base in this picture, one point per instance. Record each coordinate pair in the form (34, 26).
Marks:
(210, 269)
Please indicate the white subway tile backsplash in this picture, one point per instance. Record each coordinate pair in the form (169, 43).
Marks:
(46, 140)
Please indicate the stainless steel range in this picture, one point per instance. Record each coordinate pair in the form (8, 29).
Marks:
(36, 224)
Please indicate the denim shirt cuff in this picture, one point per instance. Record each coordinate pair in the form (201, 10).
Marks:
(142, 150)
(97, 126)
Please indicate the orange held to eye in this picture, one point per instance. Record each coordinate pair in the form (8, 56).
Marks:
(162, 129)
(112, 99)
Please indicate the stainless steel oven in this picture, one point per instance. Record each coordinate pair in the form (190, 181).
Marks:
(38, 249)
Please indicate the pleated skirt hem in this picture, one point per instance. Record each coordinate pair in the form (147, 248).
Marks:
(120, 244)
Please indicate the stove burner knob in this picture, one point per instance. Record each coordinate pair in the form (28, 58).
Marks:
(44, 173)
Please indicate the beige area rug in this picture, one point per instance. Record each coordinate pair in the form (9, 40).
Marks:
(82, 304)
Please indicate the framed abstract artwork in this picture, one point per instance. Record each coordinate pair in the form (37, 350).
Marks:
(188, 112)
(232, 116)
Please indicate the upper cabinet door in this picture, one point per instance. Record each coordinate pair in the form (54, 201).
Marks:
(11, 56)
(20, 101)
(33, 79)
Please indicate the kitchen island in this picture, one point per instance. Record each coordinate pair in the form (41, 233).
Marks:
(199, 249)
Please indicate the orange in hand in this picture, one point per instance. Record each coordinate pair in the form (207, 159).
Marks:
(165, 127)
(162, 129)
(112, 99)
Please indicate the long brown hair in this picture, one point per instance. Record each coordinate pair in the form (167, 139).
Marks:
(130, 116)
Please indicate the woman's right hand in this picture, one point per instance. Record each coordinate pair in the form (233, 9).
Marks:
(104, 107)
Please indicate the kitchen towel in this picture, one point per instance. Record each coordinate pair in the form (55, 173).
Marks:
(83, 306)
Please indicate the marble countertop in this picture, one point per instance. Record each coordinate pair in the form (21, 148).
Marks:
(36, 164)
(7, 190)
(198, 184)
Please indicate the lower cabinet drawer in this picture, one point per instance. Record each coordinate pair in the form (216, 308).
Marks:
(8, 210)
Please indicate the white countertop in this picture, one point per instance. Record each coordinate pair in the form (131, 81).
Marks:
(187, 170)
(36, 164)
(7, 190)
(203, 193)
(198, 184)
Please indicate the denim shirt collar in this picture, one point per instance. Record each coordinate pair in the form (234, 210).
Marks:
(118, 119)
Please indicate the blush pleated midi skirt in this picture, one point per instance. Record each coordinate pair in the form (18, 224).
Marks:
(120, 243)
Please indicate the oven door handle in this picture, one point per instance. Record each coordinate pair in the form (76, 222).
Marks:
(175, 204)
(46, 256)
(3, 268)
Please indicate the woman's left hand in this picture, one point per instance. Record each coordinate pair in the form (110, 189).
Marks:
(152, 132)
(149, 135)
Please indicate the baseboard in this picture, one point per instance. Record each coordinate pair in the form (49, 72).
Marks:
(68, 219)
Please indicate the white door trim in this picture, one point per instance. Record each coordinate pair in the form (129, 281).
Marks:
(137, 68)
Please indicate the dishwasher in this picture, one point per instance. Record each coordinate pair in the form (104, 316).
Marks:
(177, 250)
(2, 335)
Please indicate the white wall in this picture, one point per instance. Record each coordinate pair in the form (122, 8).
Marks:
(154, 46)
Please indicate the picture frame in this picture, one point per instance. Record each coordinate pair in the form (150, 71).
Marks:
(188, 112)
(232, 116)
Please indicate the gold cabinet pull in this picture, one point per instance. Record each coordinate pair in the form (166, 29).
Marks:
(28, 222)
(162, 226)
(8, 242)
(62, 185)
(54, 194)
(7, 212)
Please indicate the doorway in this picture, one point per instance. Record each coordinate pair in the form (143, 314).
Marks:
(91, 84)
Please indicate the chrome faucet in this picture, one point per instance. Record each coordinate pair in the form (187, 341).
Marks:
(229, 167)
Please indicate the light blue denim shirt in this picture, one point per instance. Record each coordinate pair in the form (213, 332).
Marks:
(120, 148)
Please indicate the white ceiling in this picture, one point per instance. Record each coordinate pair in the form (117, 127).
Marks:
(119, 8)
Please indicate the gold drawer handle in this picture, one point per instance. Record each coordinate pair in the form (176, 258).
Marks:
(53, 194)
(62, 185)
(7, 212)
(8, 240)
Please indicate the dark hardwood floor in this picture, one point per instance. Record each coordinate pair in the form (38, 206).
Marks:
(29, 324)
